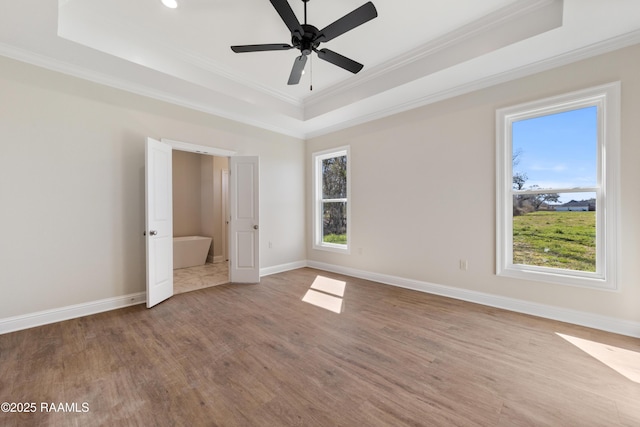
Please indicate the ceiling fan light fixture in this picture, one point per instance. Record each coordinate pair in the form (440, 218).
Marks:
(307, 38)
(171, 4)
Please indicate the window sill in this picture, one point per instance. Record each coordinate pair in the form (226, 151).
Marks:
(557, 276)
(332, 248)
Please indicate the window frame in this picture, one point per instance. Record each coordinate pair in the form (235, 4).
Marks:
(607, 100)
(317, 159)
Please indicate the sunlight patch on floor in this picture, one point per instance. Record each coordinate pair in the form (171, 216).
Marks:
(326, 293)
(625, 362)
(328, 302)
(329, 286)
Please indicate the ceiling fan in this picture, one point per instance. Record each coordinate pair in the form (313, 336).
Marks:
(307, 38)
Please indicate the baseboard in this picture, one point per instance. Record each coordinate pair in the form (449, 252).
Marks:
(605, 323)
(596, 321)
(32, 320)
(282, 268)
(40, 318)
(216, 259)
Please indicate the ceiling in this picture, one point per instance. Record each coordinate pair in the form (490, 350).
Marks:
(414, 53)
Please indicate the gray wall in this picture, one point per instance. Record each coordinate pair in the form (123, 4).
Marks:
(197, 199)
(190, 201)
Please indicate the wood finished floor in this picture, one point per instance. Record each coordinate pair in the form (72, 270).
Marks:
(256, 355)
(200, 277)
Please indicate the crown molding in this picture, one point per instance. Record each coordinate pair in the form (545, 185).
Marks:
(575, 55)
(185, 64)
(169, 49)
(206, 64)
(66, 68)
(467, 32)
(309, 129)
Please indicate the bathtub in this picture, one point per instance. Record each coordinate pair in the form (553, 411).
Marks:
(190, 251)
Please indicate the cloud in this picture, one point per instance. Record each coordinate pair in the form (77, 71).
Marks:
(560, 167)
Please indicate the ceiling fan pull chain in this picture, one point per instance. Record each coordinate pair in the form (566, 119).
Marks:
(311, 73)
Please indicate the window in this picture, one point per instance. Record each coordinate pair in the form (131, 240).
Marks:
(331, 200)
(557, 184)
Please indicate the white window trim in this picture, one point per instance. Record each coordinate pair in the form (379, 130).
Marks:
(317, 159)
(607, 98)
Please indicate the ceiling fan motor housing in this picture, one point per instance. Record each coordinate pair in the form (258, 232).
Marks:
(308, 42)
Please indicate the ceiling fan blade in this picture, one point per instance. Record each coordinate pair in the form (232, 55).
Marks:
(296, 71)
(260, 47)
(286, 13)
(339, 60)
(364, 13)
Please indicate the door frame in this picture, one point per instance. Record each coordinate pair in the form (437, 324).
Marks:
(208, 151)
(201, 149)
(225, 214)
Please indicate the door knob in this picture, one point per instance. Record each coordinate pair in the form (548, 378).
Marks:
(153, 232)
(255, 227)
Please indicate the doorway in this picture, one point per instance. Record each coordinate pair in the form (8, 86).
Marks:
(199, 220)
(243, 216)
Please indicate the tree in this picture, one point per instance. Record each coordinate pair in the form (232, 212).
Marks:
(334, 186)
(523, 203)
(519, 178)
(536, 200)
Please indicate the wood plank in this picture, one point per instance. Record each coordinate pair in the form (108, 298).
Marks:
(246, 355)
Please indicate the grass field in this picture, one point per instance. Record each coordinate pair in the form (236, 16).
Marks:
(555, 239)
(339, 239)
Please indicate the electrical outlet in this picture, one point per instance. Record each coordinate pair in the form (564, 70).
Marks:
(464, 264)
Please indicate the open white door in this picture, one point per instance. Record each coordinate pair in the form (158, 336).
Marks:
(244, 195)
(225, 214)
(159, 221)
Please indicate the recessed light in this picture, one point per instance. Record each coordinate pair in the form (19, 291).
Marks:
(172, 4)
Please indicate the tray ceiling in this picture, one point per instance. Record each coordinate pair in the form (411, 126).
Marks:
(414, 52)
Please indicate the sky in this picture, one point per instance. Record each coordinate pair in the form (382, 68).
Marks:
(558, 150)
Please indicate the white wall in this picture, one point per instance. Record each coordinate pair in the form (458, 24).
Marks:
(423, 190)
(219, 239)
(207, 201)
(72, 186)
